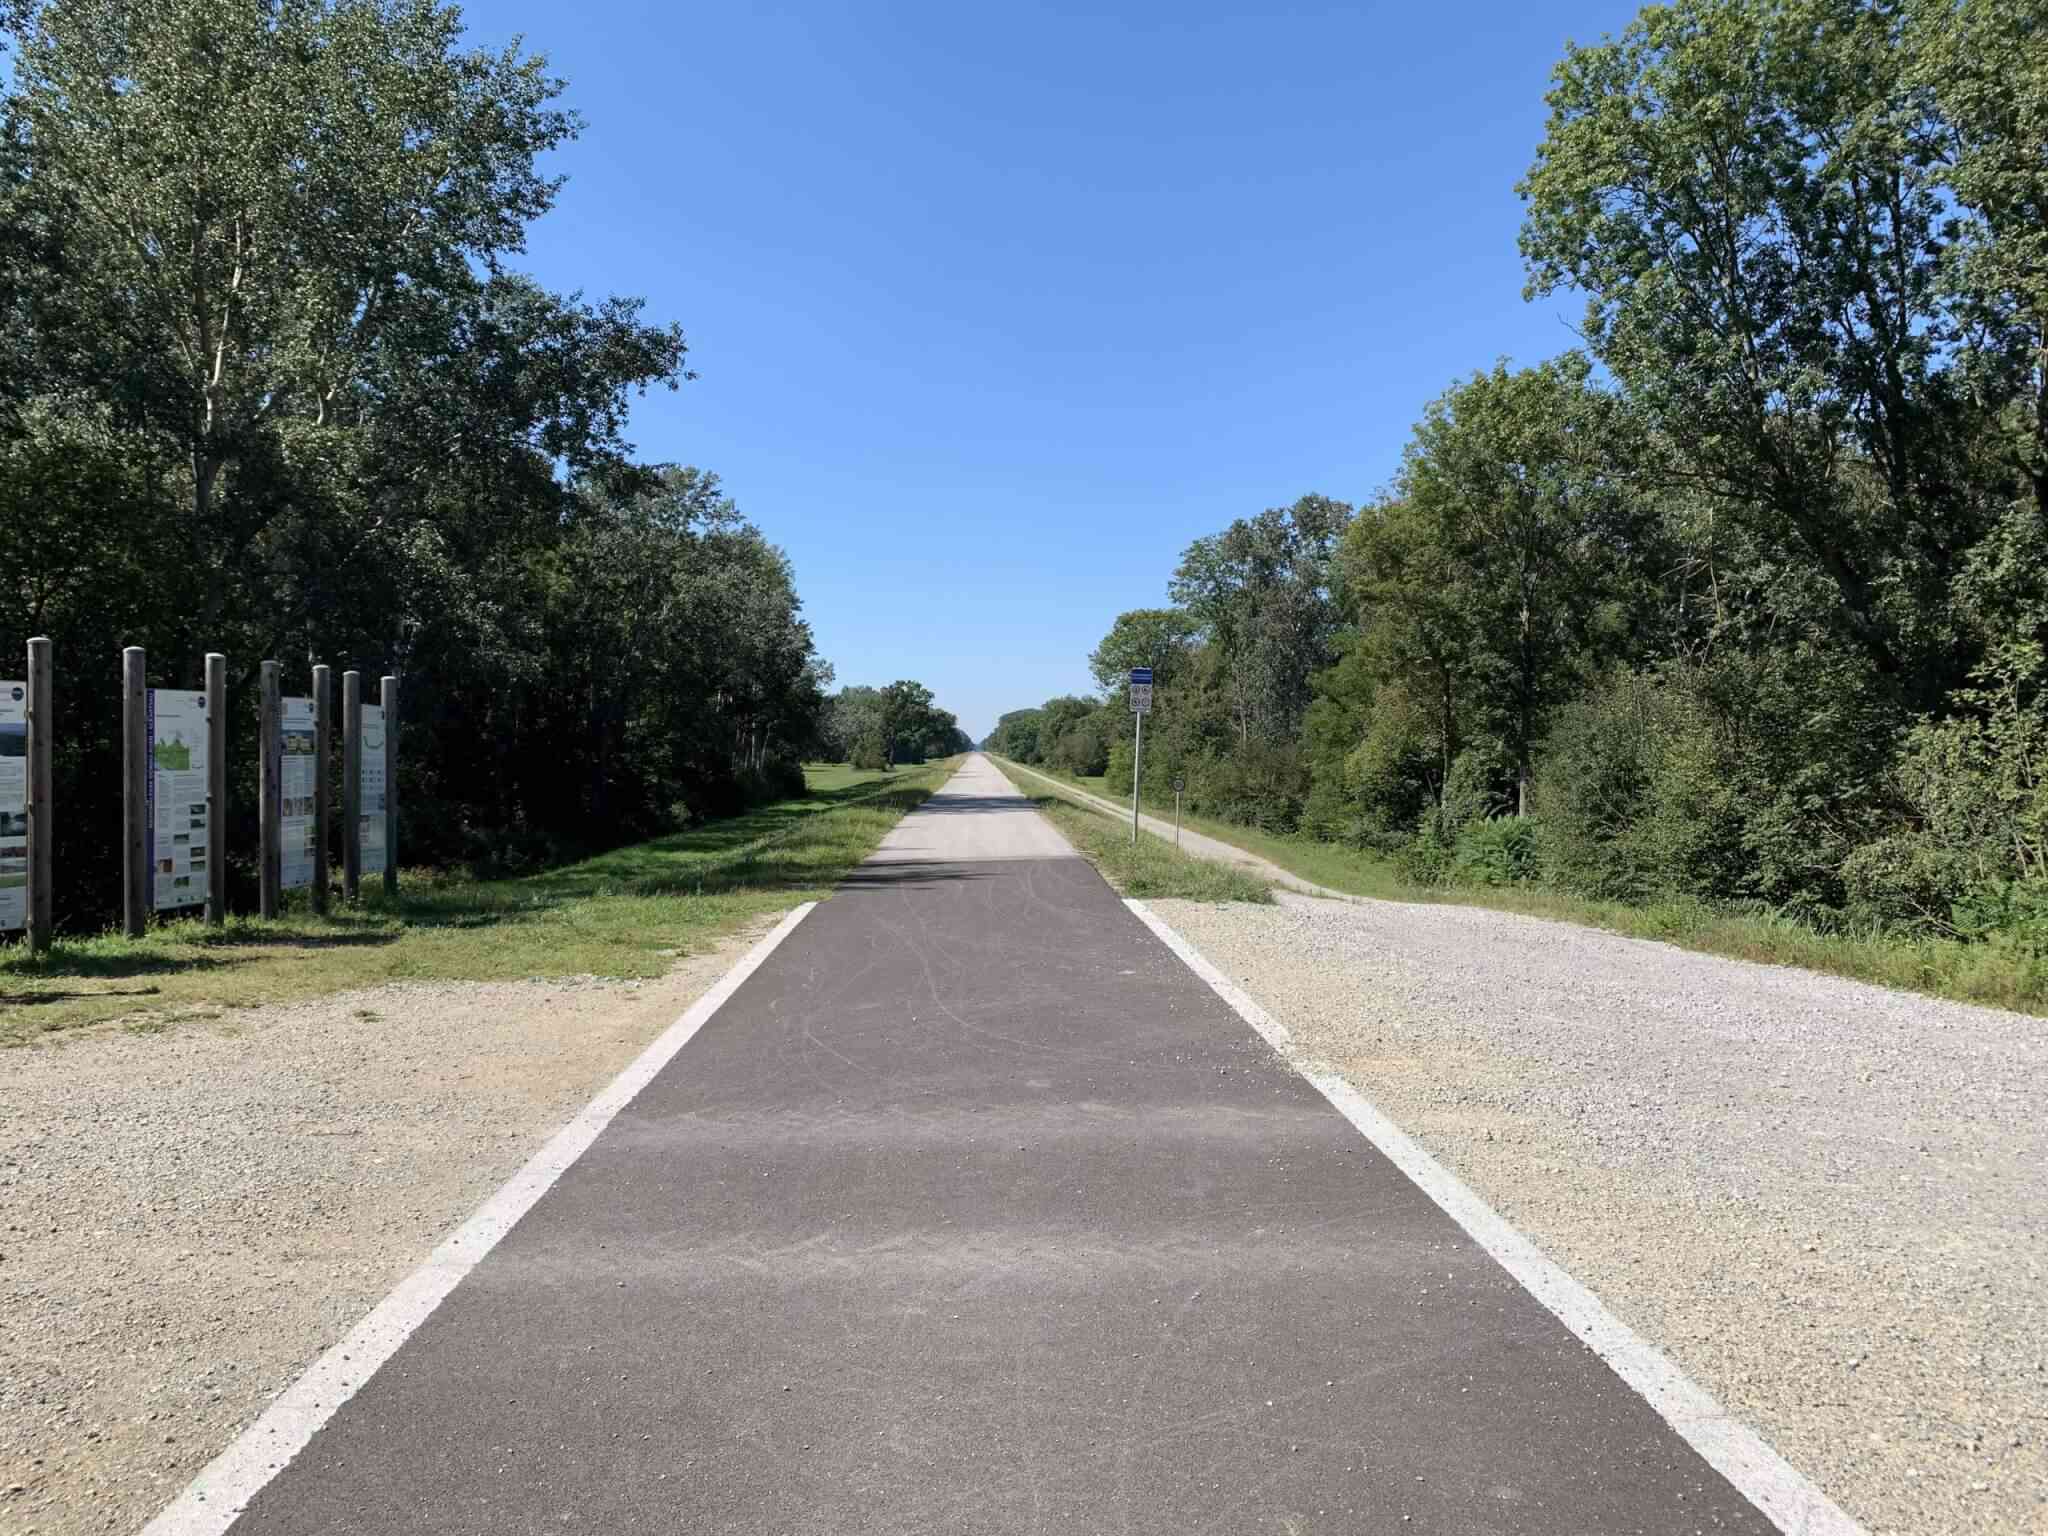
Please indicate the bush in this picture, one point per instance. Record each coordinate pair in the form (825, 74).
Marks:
(1257, 786)
(2014, 912)
(1081, 752)
(779, 778)
(1748, 779)
(870, 753)
(1596, 787)
(1388, 775)
(1479, 786)
(1501, 850)
(1425, 859)
(1908, 880)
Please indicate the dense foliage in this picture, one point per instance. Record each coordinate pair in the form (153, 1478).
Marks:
(268, 387)
(1748, 600)
(884, 727)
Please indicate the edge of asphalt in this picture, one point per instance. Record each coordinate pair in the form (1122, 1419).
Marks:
(1783, 1494)
(213, 1499)
(1266, 869)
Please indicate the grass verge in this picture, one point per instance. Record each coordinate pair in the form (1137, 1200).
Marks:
(627, 913)
(1994, 974)
(1152, 869)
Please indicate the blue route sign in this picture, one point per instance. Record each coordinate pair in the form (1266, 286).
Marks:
(1141, 690)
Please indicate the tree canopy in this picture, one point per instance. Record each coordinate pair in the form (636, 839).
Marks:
(1746, 599)
(274, 387)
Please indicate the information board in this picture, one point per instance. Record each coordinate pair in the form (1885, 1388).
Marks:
(13, 806)
(371, 832)
(295, 793)
(179, 821)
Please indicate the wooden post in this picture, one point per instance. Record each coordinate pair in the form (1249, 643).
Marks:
(387, 695)
(323, 708)
(270, 875)
(42, 826)
(351, 785)
(135, 769)
(216, 788)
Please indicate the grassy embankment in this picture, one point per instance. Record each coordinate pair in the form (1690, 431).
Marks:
(627, 913)
(1998, 975)
(1151, 870)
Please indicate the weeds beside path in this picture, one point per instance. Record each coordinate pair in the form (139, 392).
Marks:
(1149, 870)
(628, 913)
(1203, 845)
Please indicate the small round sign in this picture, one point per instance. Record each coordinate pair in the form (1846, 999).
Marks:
(1179, 784)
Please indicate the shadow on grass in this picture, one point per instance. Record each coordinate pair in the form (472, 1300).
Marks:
(75, 960)
(788, 846)
(30, 999)
(355, 933)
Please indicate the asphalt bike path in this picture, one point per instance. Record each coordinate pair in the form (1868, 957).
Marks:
(973, 1209)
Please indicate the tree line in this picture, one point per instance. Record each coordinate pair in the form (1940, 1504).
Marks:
(270, 385)
(883, 727)
(1746, 598)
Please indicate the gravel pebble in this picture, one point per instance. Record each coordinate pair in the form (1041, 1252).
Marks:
(1825, 1200)
(189, 1219)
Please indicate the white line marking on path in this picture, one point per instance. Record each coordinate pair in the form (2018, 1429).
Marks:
(1789, 1499)
(218, 1494)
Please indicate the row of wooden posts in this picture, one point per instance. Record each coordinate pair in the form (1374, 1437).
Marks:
(138, 856)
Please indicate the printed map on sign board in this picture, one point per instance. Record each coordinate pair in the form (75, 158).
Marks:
(372, 829)
(179, 827)
(295, 793)
(13, 806)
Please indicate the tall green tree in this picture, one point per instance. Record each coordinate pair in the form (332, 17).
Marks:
(246, 199)
(1261, 593)
(1537, 543)
(1160, 638)
(1748, 193)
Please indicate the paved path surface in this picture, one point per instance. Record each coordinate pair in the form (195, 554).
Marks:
(974, 1210)
(1204, 847)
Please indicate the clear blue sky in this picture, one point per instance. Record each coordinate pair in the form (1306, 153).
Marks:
(995, 309)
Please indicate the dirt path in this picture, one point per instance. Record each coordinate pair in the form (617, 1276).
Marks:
(190, 1219)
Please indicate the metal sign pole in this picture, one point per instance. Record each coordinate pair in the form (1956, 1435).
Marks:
(1137, 777)
(1141, 705)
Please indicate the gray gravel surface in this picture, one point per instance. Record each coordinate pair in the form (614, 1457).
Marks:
(1825, 1200)
(187, 1220)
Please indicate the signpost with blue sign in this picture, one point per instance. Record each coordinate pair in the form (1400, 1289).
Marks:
(1141, 706)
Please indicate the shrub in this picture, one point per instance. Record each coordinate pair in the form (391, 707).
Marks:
(1479, 786)
(2014, 912)
(1256, 786)
(1501, 850)
(1425, 859)
(1749, 779)
(1082, 752)
(1388, 775)
(1595, 787)
(1908, 880)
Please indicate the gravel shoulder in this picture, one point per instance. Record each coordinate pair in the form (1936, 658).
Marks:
(1826, 1201)
(188, 1220)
